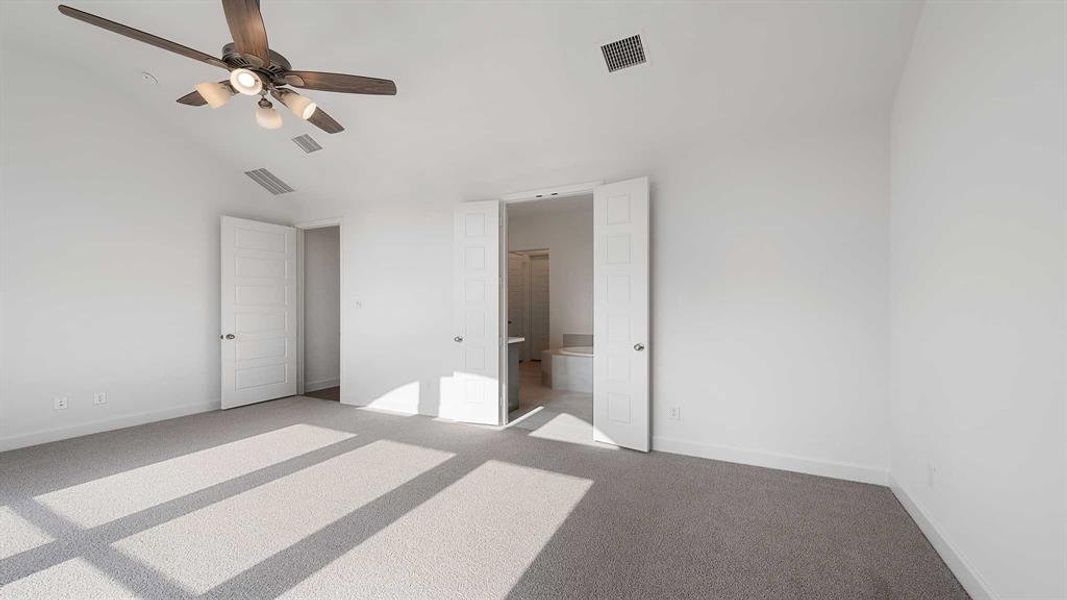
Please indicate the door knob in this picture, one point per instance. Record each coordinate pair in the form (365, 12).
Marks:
(639, 347)
(230, 336)
(457, 339)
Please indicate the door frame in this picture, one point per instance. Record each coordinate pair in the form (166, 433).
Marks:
(301, 228)
(564, 191)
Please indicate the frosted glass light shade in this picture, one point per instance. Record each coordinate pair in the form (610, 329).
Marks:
(268, 118)
(215, 94)
(301, 106)
(245, 81)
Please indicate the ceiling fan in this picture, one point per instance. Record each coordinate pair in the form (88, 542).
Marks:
(255, 69)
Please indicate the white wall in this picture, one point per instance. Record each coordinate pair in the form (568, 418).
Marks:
(109, 256)
(568, 234)
(770, 276)
(322, 313)
(978, 292)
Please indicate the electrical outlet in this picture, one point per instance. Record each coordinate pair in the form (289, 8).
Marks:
(99, 398)
(59, 403)
(675, 413)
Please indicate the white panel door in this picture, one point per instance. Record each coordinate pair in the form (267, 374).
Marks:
(473, 392)
(621, 394)
(258, 311)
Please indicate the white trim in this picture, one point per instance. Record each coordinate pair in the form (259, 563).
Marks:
(320, 223)
(120, 422)
(785, 462)
(504, 350)
(553, 192)
(964, 571)
(303, 387)
(322, 384)
(301, 250)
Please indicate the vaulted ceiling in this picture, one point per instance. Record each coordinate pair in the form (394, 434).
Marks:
(488, 92)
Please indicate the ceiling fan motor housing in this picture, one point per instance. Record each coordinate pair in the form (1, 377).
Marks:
(272, 73)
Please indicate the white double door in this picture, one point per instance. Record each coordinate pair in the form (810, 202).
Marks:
(621, 392)
(258, 315)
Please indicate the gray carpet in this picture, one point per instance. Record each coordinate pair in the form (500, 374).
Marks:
(305, 498)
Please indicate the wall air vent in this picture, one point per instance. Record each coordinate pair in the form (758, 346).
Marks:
(271, 183)
(307, 143)
(624, 53)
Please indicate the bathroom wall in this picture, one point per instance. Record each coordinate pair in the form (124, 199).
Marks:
(529, 302)
(322, 311)
(565, 227)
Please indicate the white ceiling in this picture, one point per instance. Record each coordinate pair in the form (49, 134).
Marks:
(489, 92)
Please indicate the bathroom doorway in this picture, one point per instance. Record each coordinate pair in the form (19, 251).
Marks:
(549, 283)
(478, 389)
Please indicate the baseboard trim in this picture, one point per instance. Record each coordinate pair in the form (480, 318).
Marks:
(785, 462)
(119, 422)
(956, 561)
(314, 386)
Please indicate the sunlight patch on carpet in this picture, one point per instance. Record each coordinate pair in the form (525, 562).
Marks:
(18, 534)
(204, 548)
(474, 539)
(563, 427)
(103, 500)
(75, 578)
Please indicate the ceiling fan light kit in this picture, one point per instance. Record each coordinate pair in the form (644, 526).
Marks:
(254, 69)
(246, 82)
(215, 94)
(299, 105)
(266, 116)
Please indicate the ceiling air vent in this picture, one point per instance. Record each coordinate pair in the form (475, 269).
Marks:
(624, 53)
(307, 143)
(267, 179)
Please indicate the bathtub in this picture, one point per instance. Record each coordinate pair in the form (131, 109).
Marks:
(569, 368)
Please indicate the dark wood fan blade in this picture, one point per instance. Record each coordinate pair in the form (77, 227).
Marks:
(339, 82)
(247, 29)
(193, 98)
(141, 36)
(325, 122)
